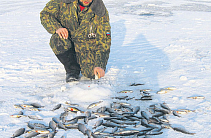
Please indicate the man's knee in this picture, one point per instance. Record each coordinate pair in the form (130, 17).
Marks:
(60, 45)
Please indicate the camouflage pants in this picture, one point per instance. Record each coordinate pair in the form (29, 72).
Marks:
(60, 45)
(86, 60)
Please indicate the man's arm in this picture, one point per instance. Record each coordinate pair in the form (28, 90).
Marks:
(49, 16)
(102, 54)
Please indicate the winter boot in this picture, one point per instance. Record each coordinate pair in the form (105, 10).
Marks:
(72, 68)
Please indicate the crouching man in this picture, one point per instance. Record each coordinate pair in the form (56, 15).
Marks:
(81, 36)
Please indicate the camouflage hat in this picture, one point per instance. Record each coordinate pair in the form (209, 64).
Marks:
(60, 45)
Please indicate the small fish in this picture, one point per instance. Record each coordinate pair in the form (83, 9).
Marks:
(136, 84)
(56, 120)
(145, 115)
(56, 107)
(196, 97)
(94, 104)
(182, 130)
(120, 97)
(32, 134)
(163, 91)
(41, 130)
(170, 88)
(37, 105)
(175, 113)
(18, 132)
(145, 90)
(18, 115)
(74, 109)
(82, 128)
(34, 117)
(98, 123)
(52, 125)
(101, 114)
(68, 103)
(126, 91)
(27, 106)
(18, 106)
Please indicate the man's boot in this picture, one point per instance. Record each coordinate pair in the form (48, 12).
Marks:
(68, 59)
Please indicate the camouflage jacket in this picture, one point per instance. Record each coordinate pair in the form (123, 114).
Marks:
(92, 52)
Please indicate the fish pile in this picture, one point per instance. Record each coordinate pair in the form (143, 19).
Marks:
(116, 120)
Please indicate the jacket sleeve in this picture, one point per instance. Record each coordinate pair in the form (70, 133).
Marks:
(102, 53)
(49, 16)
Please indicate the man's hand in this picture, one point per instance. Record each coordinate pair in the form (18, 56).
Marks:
(99, 71)
(62, 32)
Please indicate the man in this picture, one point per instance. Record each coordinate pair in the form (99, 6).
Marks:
(81, 37)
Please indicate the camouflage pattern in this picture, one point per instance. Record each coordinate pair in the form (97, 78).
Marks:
(60, 45)
(91, 52)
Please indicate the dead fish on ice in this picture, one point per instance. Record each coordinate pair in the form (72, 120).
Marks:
(18, 115)
(94, 104)
(196, 97)
(182, 130)
(126, 91)
(56, 107)
(136, 84)
(166, 90)
(18, 132)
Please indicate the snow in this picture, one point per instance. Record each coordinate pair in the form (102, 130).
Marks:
(157, 43)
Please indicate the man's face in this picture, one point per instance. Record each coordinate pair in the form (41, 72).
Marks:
(85, 3)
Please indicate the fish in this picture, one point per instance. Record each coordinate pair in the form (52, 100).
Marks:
(41, 130)
(136, 84)
(163, 91)
(111, 124)
(126, 132)
(18, 115)
(176, 114)
(32, 134)
(56, 107)
(52, 125)
(120, 97)
(94, 104)
(68, 103)
(100, 114)
(145, 115)
(145, 90)
(136, 109)
(34, 117)
(82, 128)
(74, 109)
(126, 91)
(37, 105)
(196, 97)
(98, 123)
(18, 132)
(182, 130)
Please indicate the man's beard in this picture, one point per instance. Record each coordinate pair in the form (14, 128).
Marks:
(81, 3)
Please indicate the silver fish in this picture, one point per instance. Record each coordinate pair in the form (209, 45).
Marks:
(56, 107)
(52, 125)
(18, 132)
(82, 128)
(145, 115)
(94, 104)
(196, 97)
(37, 105)
(32, 134)
(182, 130)
(34, 117)
(126, 91)
(98, 123)
(136, 109)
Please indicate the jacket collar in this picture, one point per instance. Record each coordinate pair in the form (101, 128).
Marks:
(97, 6)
